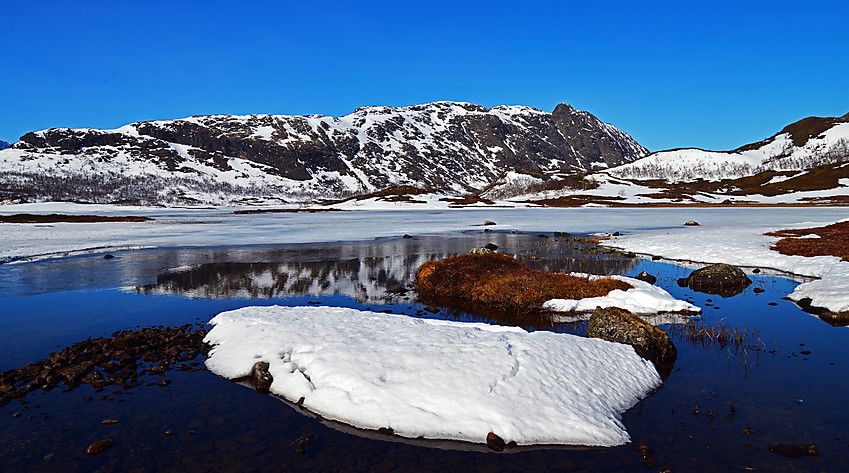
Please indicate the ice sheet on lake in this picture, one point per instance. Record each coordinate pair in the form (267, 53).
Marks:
(434, 378)
(744, 244)
(642, 299)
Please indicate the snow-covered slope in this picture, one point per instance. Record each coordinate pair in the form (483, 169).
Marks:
(804, 145)
(447, 146)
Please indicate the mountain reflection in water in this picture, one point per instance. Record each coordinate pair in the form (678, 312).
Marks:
(366, 272)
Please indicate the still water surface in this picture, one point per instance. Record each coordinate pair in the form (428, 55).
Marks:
(778, 394)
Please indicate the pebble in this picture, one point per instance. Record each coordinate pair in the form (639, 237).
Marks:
(100, 446)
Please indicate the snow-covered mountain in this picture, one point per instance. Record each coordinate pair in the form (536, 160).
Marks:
(4, 144)
(804, 145)
(447, 146)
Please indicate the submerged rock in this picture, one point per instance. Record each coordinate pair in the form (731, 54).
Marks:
(100, 446)
(794, 451)
(303, 444)
(651, 343)
(721, 279)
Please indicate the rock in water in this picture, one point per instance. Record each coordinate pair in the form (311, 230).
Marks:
(651, 343)
(491, 246)
(303, 444)
(488, 222)
(720, 279)
(261, 377)
(100, 446)
(794, 451)
(691, 223)
(644, 276)
(479, 251)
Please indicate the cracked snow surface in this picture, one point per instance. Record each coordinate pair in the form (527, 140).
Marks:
(437, 379)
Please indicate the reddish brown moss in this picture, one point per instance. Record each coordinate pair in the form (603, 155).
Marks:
(833, 241)
(501, 282)
(57, 218)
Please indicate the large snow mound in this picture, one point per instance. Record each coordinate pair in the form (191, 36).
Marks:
(642, 299)
(437, 379)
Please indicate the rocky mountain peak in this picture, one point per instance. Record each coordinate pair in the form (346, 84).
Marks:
(455, 147)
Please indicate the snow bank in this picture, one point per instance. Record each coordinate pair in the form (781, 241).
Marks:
(437, 379)
(744, 244)
(642, 299)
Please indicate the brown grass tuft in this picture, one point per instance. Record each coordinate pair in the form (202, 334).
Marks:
(501, 282)
(833, 241)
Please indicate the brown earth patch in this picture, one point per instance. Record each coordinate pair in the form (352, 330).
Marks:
(833, 241)
(499, 281)
(60, 218)
(392, 194)
(286, 211)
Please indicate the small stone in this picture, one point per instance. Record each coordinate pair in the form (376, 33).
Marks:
(794, 451)
(491, 246)
(643, 450)
(691, 223)
(407, 236)
(644, 276)
(758, 290)
(756, 270)
(100, 446)
(110, 421)
(303, 444)
(495, 442)
(108, 256)
(488, 222)
(169, 432)
(480, 251)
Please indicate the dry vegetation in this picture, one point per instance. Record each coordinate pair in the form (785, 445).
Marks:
(501, 282)
(833, 241)
(56, 218)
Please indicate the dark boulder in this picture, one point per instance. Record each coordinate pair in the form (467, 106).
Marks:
(644, 276)
(261, 377)
(495, 442)
(491, 246)
(651, 343)
(720, 279)
(488, 222)
(691, 223)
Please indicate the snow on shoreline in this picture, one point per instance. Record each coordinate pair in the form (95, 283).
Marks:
(746, 245)
(434, 378)
(642, 299)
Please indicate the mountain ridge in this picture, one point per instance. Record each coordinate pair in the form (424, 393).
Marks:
(454, 147)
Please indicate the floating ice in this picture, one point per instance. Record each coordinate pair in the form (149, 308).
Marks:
(437, 379)
(642, 299)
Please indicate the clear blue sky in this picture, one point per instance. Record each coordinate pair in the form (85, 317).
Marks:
(713, 74)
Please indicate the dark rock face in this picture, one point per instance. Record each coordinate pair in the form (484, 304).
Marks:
(720, 279)
(446, 146)
(651, 343)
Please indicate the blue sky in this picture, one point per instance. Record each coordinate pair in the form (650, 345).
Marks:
(714, 75)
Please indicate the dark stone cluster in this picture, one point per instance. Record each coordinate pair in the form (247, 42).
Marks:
(118, 360)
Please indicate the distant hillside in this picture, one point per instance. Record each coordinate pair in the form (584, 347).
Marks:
(4, 144)
(805, 145)
(452, 147)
